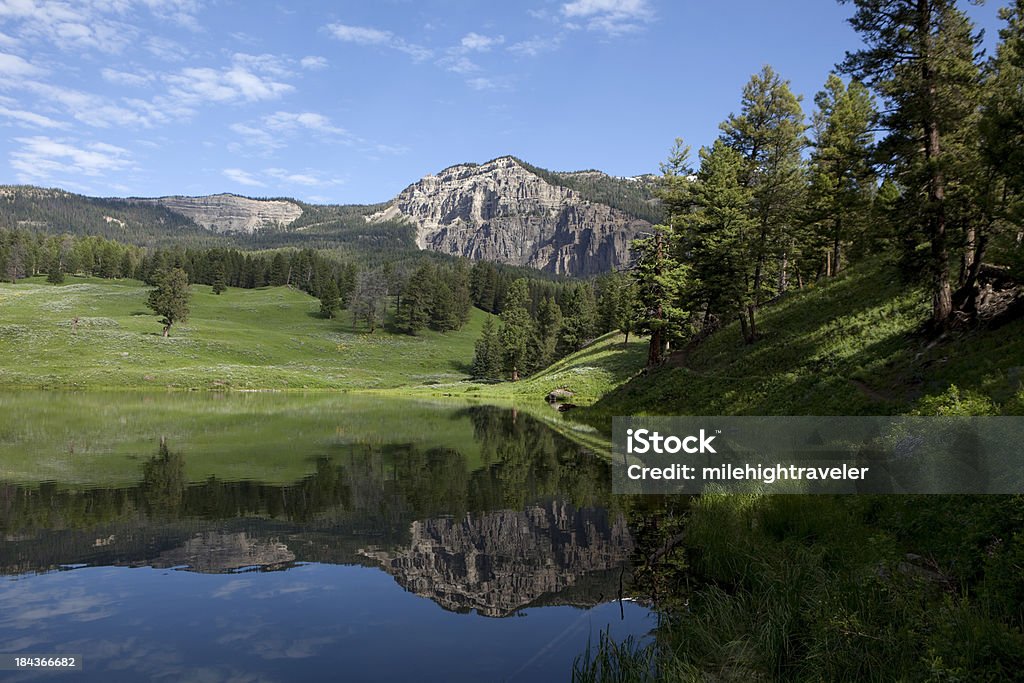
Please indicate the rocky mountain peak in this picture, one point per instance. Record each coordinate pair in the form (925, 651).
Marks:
(230, 212)
(502, 211)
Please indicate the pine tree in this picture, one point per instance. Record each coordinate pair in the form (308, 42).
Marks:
(549, 324)
(720, 238)
(329, 299)
(54, 271)
(279, 270)
(842, 180)
(219, 279)
(414, 313)
(659, 278)
(170, 298)
(487, 361)
(516, 330)
(769, 135)
(578, 315)
(920, 58)
(1002, 144)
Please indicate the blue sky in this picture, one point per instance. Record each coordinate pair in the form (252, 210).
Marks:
(352, 101)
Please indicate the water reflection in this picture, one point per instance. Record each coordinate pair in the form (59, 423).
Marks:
(490, 512)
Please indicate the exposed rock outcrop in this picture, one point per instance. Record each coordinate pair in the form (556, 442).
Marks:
(500, 211)
(499, 562)
(231, 213)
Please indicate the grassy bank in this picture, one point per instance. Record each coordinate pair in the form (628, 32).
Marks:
(268, 338)
(810, 588)
(848, 347)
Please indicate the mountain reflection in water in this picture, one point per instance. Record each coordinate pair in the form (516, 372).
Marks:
(522, 525)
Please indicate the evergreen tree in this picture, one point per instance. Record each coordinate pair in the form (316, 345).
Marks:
(1002, 145)
(920, 58)
(219, 279)
(842, 181)
(516, 330)
(279, 270)
(329, 299)
(170, 298)
(578, 317)
(55, 274)
(769, 135)
(414, 313)
(659, 278)
(487, 361)
(720, 239)
(549, 324)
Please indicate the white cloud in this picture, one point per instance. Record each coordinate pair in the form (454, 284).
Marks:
(289, 121)
(42, 157)
(166, 49)
(460, 65)
(91, 24)
(613, 17)
(481, 83)
(365, 35)
(477, 42)
(31, 118)
(537, 45)
(13, 65)
(246, 79)
(306, 178)
(313, 63)
(273, 131)
(101, 112)
(126, 78)
(242, 177)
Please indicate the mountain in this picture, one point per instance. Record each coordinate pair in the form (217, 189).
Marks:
(230, 212)
(503, 211)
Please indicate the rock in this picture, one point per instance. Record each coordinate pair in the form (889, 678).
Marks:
(500, 211)
(500, 562)
(559, 395)
(231, 213)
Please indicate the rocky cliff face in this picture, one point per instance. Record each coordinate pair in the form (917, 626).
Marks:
(231, 213)
(500, 211)
(499, 562)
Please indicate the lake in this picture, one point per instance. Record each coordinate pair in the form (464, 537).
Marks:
(278, 537)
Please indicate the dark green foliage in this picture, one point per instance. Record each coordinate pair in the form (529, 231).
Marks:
(578, 319)
(920, 57)
(220, 284)
(329, 299)
(634, 196)
(517, 330)
(487, 360)
(170, 297)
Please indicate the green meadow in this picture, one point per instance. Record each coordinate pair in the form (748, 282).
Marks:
(269, 338)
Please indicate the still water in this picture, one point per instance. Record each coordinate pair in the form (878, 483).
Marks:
(272, 537)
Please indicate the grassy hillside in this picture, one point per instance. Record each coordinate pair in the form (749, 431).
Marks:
(270, 338)
(848, 347)
(808, 588)
(589, 373)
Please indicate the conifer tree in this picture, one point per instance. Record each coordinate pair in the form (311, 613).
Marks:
(487, 361)
(516, 330)
(329, 299)
(920, 58)
(769, 135)
(842, 180)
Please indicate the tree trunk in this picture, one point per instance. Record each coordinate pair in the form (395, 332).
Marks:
(837, 249)
(942, 298)
(654, 349)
